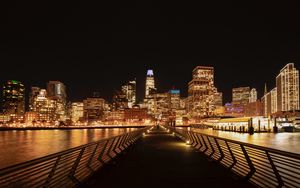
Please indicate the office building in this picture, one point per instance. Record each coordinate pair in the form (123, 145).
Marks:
(201, 92)
(150, 84)
(13, 97)
(287, 83)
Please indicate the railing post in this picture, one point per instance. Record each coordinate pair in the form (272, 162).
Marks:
(220, 150)
(52, 172)
(278, 177)
(206, 148)
(102, 152)
(110, 147)
(232, 156)
(74, 167)
(117, 145)
(91, 158)
(250, 164)
(212, 148)
(199, 142)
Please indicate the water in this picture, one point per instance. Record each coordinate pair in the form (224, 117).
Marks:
(23, 145)
(283, 141)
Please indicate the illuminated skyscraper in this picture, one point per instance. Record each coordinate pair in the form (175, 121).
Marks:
(129, 90)
(253, 95)
(93, 108)
(240, 96)
(56, 90)
(44, 107)
(35, 91)
(201, 92)
(76, 111)
(13, 97)
(287, 83)
(150, 83)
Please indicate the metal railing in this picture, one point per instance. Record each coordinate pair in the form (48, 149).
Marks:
(262, 166)
(67, 168)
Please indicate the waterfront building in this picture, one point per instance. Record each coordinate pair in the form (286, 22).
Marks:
(273, 100)
(174, 99)
(253, 95)
(201, 92)
(13, 97)
(31, 118)
(218, 99)
(120, 101)
(129, 89)
(136, 115)
(150, 84)
(94, 108)
(253, 109)
(240, 96)
(34, 92)
(287, 83)
(77, 111)
(56, 90)
(44, 107)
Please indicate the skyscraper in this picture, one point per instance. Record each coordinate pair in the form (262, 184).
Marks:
(240, 96)
(129, 89)
(150, 83)
(287, 83)
(44, 107)
(34, 92)
(253, 95)
(13, 97)
(56, 90)
(201, 92)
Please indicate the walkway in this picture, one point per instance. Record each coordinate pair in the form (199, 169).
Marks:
(163, 160)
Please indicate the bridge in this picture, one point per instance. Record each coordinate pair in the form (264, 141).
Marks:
(161, 157)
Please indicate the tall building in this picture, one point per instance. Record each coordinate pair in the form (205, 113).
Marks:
(77, 111)
(253, 95)
(150, 83)
(34, 92)
(218, 99)
(174, 101)
(129, 90)
(93, 109)
(120, 101)
(44, 107)
(240, 96)
(56, 90)
(273, 99)
(201, 92)
(13, 97)
(287, 83)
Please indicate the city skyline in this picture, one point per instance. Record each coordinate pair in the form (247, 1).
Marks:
(106, 91)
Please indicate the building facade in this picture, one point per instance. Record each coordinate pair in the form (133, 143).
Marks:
(129, 90)
(56, 90)
(240, 96)
(253, 95)
(13, 97)
(287, 83)
(201, 92)
(77, 111)
(150, 84)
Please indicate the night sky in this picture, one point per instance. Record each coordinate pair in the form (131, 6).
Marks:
(97, 47)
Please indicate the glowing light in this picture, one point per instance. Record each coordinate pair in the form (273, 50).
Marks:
(150, 73)
(188, 142)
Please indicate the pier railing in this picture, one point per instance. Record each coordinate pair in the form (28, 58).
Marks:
(262, 166)
(67, 168)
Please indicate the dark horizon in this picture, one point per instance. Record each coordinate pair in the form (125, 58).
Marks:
(98, 47)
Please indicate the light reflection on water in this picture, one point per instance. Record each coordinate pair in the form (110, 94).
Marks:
(20, 146)
(282, 141)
